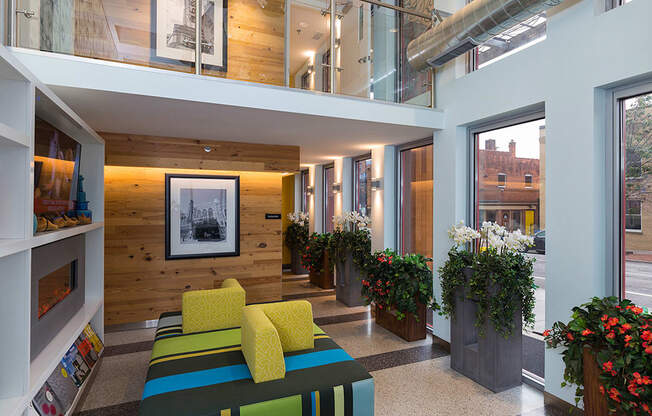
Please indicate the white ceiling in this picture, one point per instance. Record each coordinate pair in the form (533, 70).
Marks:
(320, 138)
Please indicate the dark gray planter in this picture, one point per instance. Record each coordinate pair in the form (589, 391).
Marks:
(297, 266)
(348, 286)
(490, 360)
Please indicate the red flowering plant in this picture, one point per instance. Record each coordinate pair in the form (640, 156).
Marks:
(398, 282)
(312, 257)
(619, 334)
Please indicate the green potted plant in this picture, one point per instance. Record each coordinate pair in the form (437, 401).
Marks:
(348, 248)
(296, 236)
(488, 292)
(315, 259)
(400, 287)
(608, 356)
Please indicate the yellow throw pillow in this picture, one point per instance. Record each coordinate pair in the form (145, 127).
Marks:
(210, 310)
(261, 346)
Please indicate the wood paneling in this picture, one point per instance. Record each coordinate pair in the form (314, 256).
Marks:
(139, 283)
(135, 150)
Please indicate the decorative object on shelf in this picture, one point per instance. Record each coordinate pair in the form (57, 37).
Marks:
(315, 258)
(202, 216)
(608, 356)
(488, 291)
(176, 34)
(296, 237)
(348, 249)
(81, 212)
(400, 286)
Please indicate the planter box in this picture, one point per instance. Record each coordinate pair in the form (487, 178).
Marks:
(490, 360)
(348, 288)
(297, 266)
(595, 404)
(407, 328)
(325, 278)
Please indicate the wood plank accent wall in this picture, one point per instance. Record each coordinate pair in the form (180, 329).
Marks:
(135, 150)
(139, 283)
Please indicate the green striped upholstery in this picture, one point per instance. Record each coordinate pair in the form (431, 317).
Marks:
(206, 374)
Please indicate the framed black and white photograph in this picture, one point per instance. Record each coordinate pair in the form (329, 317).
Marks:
(175, 31)
(202, 216)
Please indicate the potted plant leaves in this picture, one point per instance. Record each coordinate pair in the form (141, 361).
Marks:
(348, 248)
(400, 287)
(315, 258)
(608, 356)
(488, 292)
(296, 236)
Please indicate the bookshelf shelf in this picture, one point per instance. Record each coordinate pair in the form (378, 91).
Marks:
(11, 246)
(24, 99)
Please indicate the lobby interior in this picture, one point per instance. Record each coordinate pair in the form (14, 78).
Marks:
(177, 216)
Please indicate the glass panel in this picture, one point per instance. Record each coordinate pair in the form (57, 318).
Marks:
(310, 36)
(384, 57)
(505, 157)
(362, 190)
(416, 200)
(414, 87)
(155, 34)
(54, 287)
(637, 129)
(329, 199)
(353, 49)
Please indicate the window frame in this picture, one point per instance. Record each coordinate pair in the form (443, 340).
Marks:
(616, 281)
(526, 116)
(325, 193)
(305, 182)
(354, 188)
(427, 141)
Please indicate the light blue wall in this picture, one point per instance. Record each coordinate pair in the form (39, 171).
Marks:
(587, 50)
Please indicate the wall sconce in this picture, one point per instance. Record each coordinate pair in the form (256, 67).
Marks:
(311, 69)
(337, 187)
(310, 189)
(376, 184)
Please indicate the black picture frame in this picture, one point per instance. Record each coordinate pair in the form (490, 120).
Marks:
(169, 177)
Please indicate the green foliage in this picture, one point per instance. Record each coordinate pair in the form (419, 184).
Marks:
(398, 282)
(619, 334)
(296, 236)
(313, 252)
(500, 284)
(342, 242)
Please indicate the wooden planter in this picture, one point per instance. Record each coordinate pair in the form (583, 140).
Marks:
(325, 278)
(297, 266)
(407, 328)
(595, 404)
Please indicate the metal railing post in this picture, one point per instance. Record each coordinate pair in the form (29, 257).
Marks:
(333, 9)
(198, 37)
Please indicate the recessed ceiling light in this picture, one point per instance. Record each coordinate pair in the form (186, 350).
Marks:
(207, 149)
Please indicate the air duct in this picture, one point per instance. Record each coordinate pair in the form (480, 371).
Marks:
(471, 26)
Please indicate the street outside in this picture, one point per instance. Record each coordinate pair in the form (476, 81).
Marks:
(638, 277)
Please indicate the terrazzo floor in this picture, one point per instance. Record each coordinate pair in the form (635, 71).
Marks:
(412, 379)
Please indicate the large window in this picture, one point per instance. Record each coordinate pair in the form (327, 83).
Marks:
(635, 184)
(329, 198)
(509, 189)
(415, 193)
(305, 182)
(362, 185)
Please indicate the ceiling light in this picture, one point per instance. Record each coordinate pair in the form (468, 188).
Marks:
(207, 149)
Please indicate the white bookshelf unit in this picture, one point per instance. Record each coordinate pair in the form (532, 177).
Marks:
(22, 99)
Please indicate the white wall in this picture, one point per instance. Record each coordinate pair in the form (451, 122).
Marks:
(586, 51)
(383, 211)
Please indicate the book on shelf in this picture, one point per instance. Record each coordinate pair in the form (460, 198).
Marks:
(75, 365)
(93, 338)
(46, 402)
(86, 350)
(63, 386)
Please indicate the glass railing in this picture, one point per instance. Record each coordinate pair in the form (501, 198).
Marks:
(359, 52)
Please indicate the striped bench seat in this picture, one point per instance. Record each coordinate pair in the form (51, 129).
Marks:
(205, 374)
